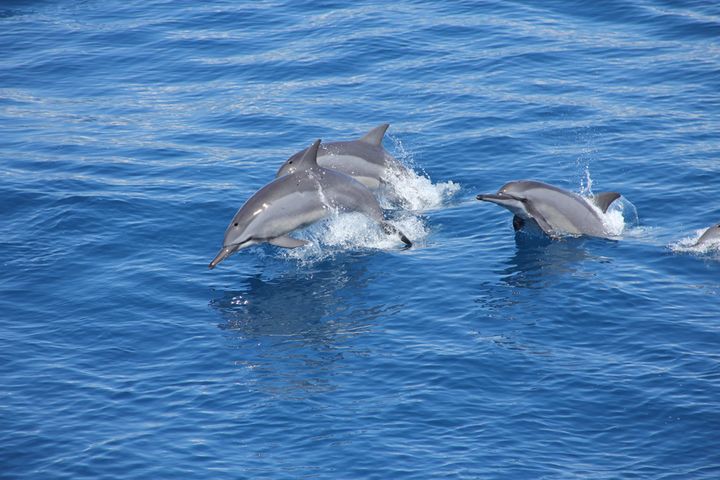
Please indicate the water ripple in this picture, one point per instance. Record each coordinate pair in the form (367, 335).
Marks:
(132, 131)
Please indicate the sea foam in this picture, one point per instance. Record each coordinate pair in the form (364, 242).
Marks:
(689, 244)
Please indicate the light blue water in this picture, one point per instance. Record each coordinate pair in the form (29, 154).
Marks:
(130, 133)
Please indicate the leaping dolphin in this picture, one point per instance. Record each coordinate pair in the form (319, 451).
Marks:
(556, 211)
(297, 200)
(711, 235)
(364, 159)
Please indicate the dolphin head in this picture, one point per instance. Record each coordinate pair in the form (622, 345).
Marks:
(302, 160)
(511, 196)
(242, 231)
(236, 237)
(290, 165)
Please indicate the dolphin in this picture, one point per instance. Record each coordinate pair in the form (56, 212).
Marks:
(364, 159)
(556, 211)
(711, 235)
(297, 200)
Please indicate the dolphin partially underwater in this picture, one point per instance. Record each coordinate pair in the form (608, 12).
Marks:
(308, 194)
(556, 212)
(709, 236)
(364, 159)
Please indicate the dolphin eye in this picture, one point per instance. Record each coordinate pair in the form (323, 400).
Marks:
(290, 161)
(235, 224)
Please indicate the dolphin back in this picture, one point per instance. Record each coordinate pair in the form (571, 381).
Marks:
(364, 159)
(561, 211)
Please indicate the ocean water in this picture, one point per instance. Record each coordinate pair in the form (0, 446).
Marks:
(131, 132)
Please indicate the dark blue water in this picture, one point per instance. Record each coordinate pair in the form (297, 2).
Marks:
(130, 132)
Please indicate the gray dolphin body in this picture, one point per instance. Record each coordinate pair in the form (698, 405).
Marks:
(364, 159)
(297, 200)
(711, 235)
(556, 211)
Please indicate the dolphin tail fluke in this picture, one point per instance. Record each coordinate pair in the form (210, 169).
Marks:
(391, 229)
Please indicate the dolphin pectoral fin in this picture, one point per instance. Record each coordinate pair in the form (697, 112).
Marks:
(404, 239)
(604, 199)
(287, 242)
(375, 136)
(518, 223)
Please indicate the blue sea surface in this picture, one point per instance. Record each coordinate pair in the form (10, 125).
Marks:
(131, 132)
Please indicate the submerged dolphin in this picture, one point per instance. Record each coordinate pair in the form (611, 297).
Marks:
(554, 210)
(295, 201)
(364, 159)
(711, 235)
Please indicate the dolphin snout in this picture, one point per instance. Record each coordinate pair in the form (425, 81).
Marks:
(489, 197)
(499, 197)
(222, 255)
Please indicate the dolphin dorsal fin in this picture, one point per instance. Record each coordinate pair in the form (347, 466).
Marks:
(375, 136)
(309, 157)
(604, 199)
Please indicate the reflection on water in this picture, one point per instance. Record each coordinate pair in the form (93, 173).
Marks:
(540, 271)
(310, 304)
(537, 264)
(539, 261)
(292, 329)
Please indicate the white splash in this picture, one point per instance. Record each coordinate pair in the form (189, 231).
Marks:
(586, 182)
(689, 244)
(619, 217)
(410, 190)
(585, 137)
(414, 192)
(354, 231)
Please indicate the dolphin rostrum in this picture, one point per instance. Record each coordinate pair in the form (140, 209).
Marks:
(556, 211)
(711, 235)
(297, 200)
(364, 159)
